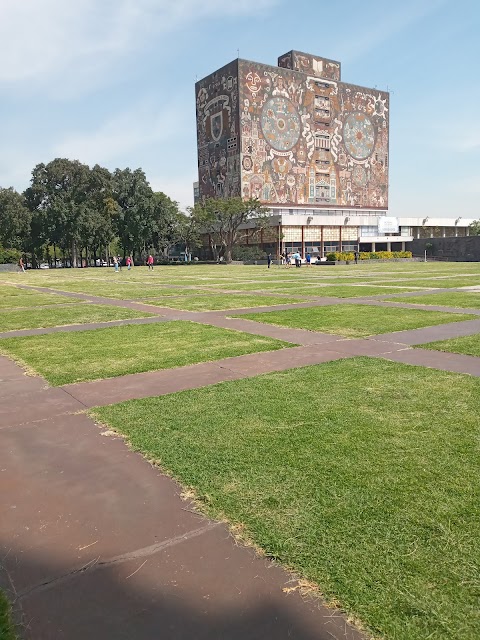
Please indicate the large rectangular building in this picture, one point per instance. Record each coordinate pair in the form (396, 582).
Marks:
(292, 135)
(313, 149)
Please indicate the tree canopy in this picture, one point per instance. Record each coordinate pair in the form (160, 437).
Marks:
(84, 211)
(225, 219)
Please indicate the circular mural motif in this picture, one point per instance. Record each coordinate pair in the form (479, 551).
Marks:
(280, 123)
(359, 176)
(359, 136)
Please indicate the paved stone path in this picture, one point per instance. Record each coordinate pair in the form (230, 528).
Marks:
(96, 542)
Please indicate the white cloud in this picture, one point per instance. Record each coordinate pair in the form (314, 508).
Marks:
(51, 40)
(142, 125)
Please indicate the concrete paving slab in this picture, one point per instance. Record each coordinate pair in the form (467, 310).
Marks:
(202, 588)
(295, 336)
(365, 347)
(30, 405)
(79, 327)
(158, 383)
(144, 385)
(432, 334)
(455, 362)
(268, 362)
(71, 496)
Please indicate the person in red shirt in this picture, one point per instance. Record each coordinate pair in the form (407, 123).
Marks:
(150, 262)
(129, 263)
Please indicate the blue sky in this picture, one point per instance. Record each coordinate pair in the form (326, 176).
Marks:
(112, 81)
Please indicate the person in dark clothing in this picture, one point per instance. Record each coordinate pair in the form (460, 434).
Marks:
(269, 260)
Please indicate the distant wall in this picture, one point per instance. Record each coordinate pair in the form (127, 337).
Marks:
(454, 249)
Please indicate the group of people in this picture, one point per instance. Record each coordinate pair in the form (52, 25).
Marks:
(296, 257)
(117, 262)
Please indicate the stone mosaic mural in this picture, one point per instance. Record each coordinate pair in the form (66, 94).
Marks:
(297, 138)
(218, 133)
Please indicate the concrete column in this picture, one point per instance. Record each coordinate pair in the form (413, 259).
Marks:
(444, 234)
(303, 243)
(321, 241)
(403, 245)
(340, 238)
(373, 247)
(389, 246)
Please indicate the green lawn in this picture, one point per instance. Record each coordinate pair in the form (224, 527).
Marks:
(437, 283)
(11, 297)
(122, 291)
(356, 320)
(347, 291)
(362, 482)
(456, 299)
(7, 629)
(63, 358)
(213, 301)
(468, 345)
(60, 316)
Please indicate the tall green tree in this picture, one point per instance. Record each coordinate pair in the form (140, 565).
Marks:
(224, 219)
(58, 195)
(164, 225)
(188, 231)
(134, 197)
(15, 219)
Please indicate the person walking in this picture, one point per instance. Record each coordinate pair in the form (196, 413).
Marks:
(150, 262)
(129, 263)
(21, 264)
(269, 260)
(287, 260)
(115, 263)
(355, 255)
(119, 262)
(309, 259)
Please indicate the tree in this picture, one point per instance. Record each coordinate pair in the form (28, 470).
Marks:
(474, 228)
(59, 196)
(15, 219)
(223, 219)
(188, 231)
(164, 223)
(134, 197)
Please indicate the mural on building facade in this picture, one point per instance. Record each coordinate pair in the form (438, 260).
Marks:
(311, 141)
(218, 133)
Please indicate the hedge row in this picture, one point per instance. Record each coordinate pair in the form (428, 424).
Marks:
(368, 255)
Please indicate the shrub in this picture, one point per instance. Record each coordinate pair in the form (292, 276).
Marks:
(248, 253)
(331, 257)
(9, 256)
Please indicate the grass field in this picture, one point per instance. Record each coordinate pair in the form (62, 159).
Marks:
(468, 345)
(63, 358)
(82, 313)
(363, 481)
(355, 321)
(456, 299)
(215, 301)
(7, 629)
(360, 474)
(12, 297)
